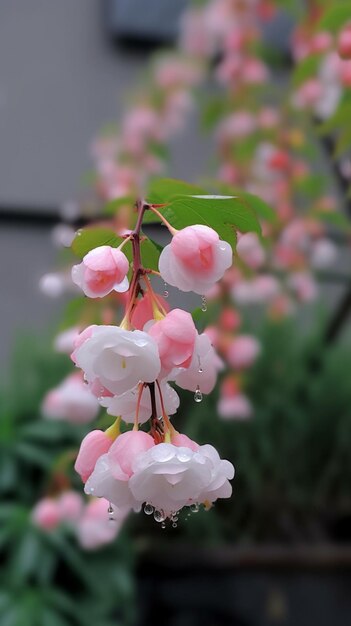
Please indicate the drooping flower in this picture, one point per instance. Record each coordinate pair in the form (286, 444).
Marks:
(102, 270)
(195, 259)
(70, 506)
(46, 514)
(203, 369)
(175, 336)
(118, 359)
(243, 351)
(125, 404)
(170, 477)
(94, 444)
(234, 407)
(71, 401)
(94, 528)
(250, 250)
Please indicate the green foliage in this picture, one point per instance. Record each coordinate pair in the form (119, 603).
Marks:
(46, 579)
(335, 17)
(188, 204)
(88, 238)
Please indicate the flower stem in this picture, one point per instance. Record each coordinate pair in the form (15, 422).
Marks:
(172, 230)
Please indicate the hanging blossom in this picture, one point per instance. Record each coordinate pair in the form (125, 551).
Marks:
(130, 369)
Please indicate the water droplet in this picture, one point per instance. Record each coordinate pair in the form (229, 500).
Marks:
(174, 525)
(175, 519)
(200, 370)
(198, 395)
(166, 292)
(204, 304)
(194, 508)
(163, 525)
(159, 516)
(148, 509)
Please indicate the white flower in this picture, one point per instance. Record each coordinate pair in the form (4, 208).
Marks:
(72, 401)
(203, 368)
(125, 405)
(170, 477)
(118, 359)
(104, 483)
(221, 472)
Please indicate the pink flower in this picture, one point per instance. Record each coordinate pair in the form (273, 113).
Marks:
(184, 441)
(70, 505)
(125, 404)
(116, 359)
(243, 351)
(250, 250)
(102, 270)
(94, 444)
(125, 449)
(304, 286)
(195, 259)
(344, 42)
(175, 336)
(46, 514)
(203, 368)
(71, 401)
(234, 407)
(229, 320)
(145, 309)
(94, 528)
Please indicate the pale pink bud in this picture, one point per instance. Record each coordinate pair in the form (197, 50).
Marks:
(250, 250)
(235, 407)
(124, 451)
(195, 259)
(243, 351)
(70, 505)
(344, 42)
(175, 336)
(46, 514)
(94, 444)
(181, 440)
(102, 270)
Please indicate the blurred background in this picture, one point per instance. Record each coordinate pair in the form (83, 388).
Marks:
(96, 100)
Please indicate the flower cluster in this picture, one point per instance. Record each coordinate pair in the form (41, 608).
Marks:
(88, 519)
(130, 370)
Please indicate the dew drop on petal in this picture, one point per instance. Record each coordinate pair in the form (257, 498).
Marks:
(203, 304)
(198, 395)
(166, 292)
(148, 509)
(200, 370)
(159, 516)
(194, 508)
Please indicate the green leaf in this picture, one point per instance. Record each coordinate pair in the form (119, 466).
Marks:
(112, 208)
(162, 190)
(334, 218)
(225, 214)
(73, 312)
(306, 69)
(335, 17)
(263, 210)
(87, 239)
(150, 254)
(343, 143)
